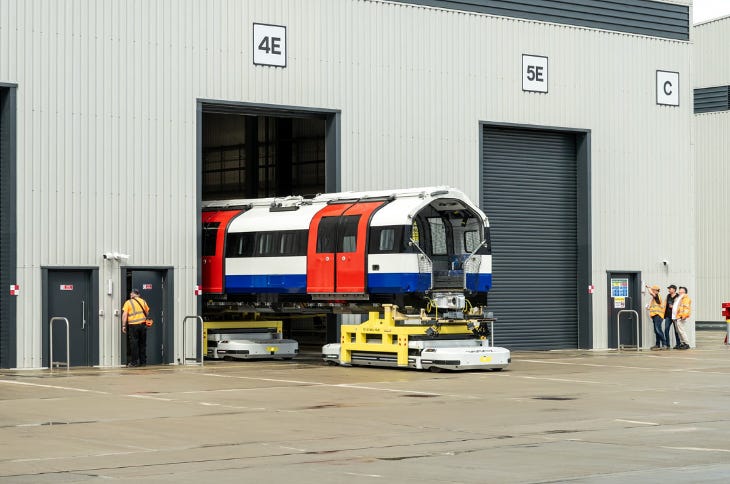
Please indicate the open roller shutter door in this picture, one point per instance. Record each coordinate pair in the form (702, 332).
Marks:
(529, 194)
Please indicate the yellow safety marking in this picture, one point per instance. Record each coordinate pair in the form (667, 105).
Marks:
(485, 359)
(271, 349)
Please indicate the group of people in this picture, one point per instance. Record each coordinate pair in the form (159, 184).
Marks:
(665, 313)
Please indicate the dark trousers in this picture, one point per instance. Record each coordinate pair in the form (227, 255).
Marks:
(668, 323)
(660, 341)
(137, 344)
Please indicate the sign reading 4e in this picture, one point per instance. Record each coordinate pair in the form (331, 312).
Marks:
(269, 45)
(534, 73)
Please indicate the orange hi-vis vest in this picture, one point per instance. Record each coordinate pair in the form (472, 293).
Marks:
(135, 310)
(657, 309)
(685, 307)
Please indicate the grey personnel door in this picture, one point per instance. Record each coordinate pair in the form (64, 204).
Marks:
(68, 294)
(624, 293)
(152, 285)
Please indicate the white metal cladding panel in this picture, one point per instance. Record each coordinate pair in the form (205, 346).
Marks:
(711, 51)
(396, 212)
(265, 265)
(712, 151)
(260, 219)
(393, 263)
(107, 121)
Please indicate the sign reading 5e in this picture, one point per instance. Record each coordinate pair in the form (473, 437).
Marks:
(269, 45)
(534, 73)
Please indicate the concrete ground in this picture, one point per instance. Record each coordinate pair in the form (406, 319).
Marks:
(550, 417)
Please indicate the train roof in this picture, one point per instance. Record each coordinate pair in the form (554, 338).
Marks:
(296, 212)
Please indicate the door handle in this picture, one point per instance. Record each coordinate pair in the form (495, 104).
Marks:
(343, 258)
(327, 259)
(83, 314)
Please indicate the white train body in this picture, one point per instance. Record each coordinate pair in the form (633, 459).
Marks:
(391, 246)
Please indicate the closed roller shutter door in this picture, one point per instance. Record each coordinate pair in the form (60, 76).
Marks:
(7, 229)
(530, 196)
(4, 282)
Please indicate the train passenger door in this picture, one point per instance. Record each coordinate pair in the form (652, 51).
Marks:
(337, 248)
(322, 248)
(351, 254)
(215, 225)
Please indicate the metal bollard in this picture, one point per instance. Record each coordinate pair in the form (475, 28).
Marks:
(50, 343)
(200, 342)
(618, 328)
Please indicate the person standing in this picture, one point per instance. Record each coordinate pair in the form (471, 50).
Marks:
(134, 317)
(656, 313)
(668, 320)
(682, 311)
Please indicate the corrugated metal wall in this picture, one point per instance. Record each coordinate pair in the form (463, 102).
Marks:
(107, 125)
(711, 40)
(712, 152)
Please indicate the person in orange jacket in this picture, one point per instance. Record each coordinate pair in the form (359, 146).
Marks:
(134, 318)
(656, 309)
(681, 312)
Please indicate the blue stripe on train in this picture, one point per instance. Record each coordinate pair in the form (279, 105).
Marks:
(378, 283)
(395, 283)
(479, 282)
(267, 283)
(398, 282)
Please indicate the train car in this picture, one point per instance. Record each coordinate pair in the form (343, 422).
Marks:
(409, 247)
(215, 225)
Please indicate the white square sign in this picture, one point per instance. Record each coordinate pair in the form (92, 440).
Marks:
(534, 73)
(667, 88)
(269, 45)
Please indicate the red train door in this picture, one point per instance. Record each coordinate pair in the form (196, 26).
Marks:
(215, 225)
(322, 248)
(337, 248)
(352, 247)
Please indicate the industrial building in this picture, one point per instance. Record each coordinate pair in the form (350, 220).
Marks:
(567, 122)
(711, 83)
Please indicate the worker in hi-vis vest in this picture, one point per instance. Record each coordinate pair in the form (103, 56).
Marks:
(682, 312)
(134, 319)
(656, 309)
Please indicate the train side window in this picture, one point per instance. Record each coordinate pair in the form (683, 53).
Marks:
(240, 244)
(265, 243)
(327, 235)
(348, 233)
(471, 240)
(210, 237)
(393, 239)
(293, 243)
(438, 236)
(387, 240)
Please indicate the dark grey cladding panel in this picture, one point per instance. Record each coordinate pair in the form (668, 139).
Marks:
(8, 223)
(711, 99)
(645, 17)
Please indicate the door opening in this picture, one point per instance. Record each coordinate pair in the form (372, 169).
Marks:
(624, 294)
(67, 293)
(154, 286)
